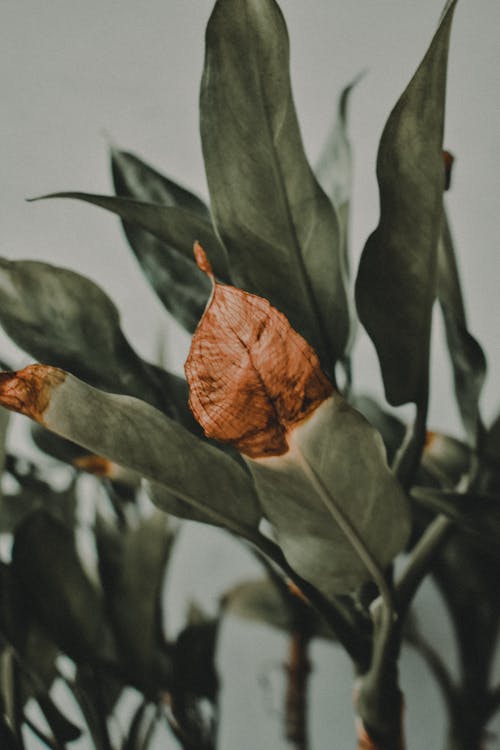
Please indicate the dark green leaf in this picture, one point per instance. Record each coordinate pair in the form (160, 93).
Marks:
(54, 446)
(61, 727)
(176, 279)
(279, 228)
(479, 514)
(396, 283)
(467, 357)
(348, 457)
(63, 318)
(8, 739)
(174, 226)
(133, 565)
(334, 167)
(46, 564)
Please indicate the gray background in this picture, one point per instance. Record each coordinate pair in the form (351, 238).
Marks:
(72, 71)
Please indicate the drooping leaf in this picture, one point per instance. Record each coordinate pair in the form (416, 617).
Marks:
(174, 226)
(479, 514)
(174, 277)
(347, 456)
(132, 564)
(257, 384)
(280, 230)
(61, 727)
(396, 283)
(467, 357)
(45, 563)
(134, 434)
(334, 166)
(61, 317)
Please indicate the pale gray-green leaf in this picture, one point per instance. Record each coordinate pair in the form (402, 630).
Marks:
(133, 434)
(467, 357)
(279, 228)
(334, 167)
(348, 456)
(396, 283)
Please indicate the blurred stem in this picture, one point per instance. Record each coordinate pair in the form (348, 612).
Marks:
(421, 558)
(436, 666)
(89, 706)
(298, 669)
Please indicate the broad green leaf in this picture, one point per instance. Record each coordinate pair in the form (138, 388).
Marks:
(467, 357)
(132, 564)
(280, 230)
(479, 514)
(348, 457)
(396, 283)
(54, 446)
(46, 565)
(176, 279)
(61, 317)
(174, 226)
(132, 433)
(334, 167)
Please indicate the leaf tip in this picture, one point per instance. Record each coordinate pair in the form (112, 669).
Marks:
(29, 391)
(201, 259)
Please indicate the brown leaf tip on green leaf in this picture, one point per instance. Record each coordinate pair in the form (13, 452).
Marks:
(252, 377)
(28, 391)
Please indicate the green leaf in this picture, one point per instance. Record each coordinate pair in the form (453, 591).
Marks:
(334, 167)
(4, 422)
(45, 563)
(348, 457)
(181, 286)
(132, 564)
(134, 434)
(61, 317)
(467, 357)
(279, 228)
(174, 226)
(479, 514)
(396, 283)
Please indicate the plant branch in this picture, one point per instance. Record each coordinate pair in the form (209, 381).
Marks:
(422, 555)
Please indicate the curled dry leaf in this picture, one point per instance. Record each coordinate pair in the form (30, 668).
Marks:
(252, 377)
